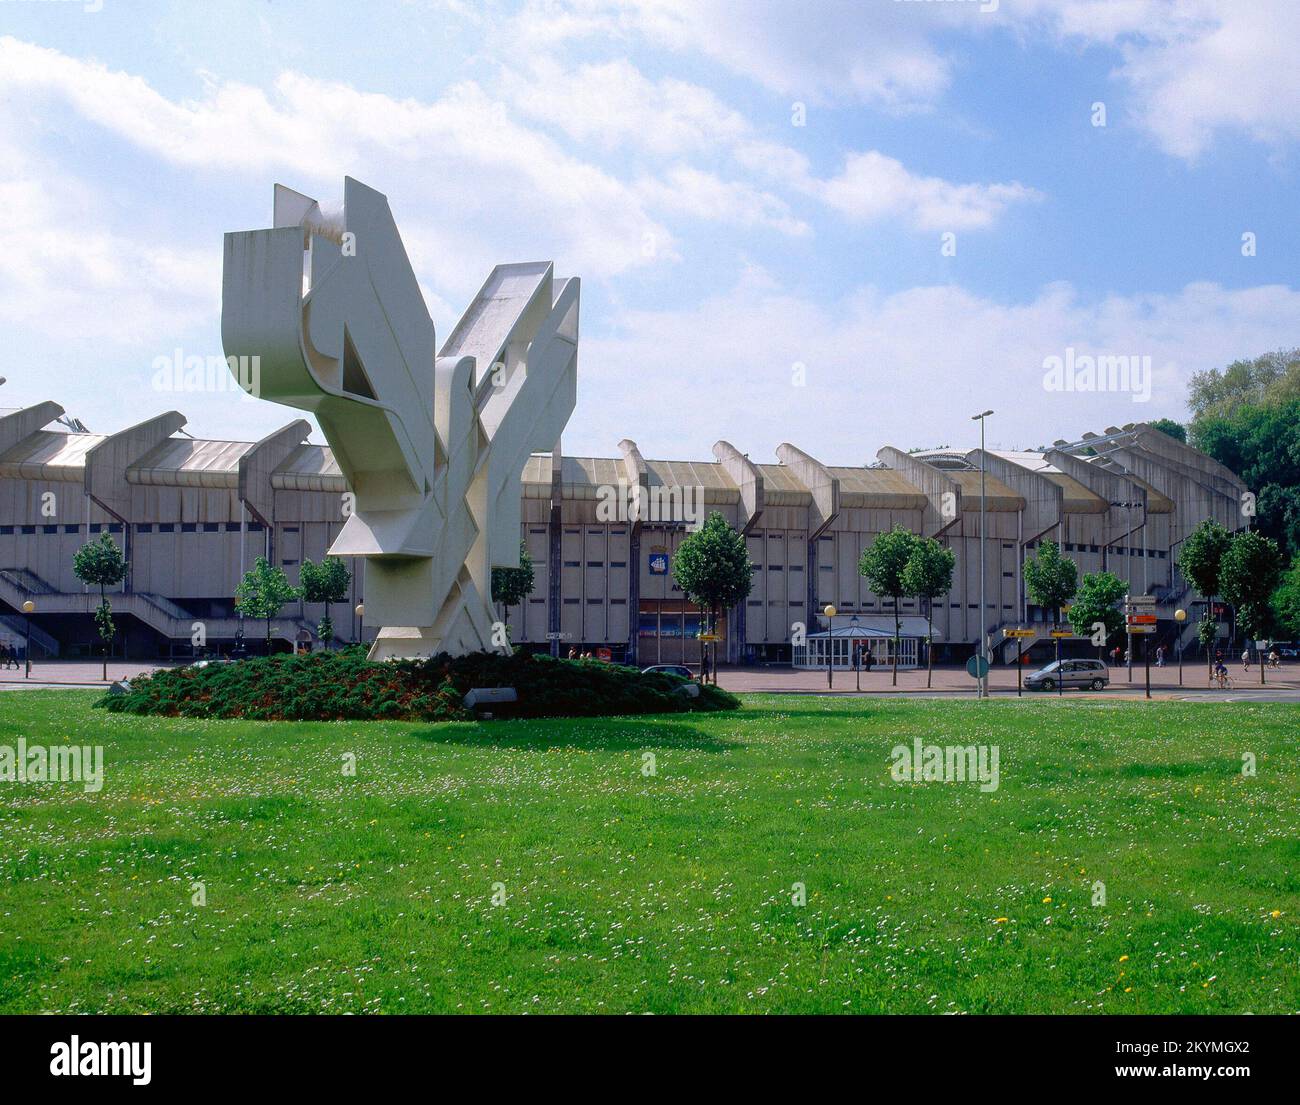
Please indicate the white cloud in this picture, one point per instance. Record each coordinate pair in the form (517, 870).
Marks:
(841, 51)
(510, 188)
(903, 368)
(1195, 68)
(873, 186)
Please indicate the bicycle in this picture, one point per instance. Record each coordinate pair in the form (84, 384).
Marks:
(1223, 681)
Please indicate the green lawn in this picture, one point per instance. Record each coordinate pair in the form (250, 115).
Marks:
(663, 893)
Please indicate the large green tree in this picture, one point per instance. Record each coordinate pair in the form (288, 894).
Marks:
(326, 582)
(1052, 581)
(883, 564)
(1286, 602)
(100, 564)
(1248, 575)
(1168, 426)
(713, 569)
(1200, 561)
(1097, 600)
(1273, 377)
(928, 575)
(263, 593)
(510, 586)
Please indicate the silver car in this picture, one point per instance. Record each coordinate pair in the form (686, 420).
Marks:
(1092, 674)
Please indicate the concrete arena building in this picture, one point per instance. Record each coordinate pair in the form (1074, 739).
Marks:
(193, 514)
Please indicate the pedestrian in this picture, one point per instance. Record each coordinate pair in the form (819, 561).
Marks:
(573, 653)
(1274, 661)
(6, 656)
(1160, 656)
(1245, 659)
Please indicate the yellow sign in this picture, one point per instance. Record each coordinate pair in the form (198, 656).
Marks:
(1020, 632)
(1062, 633)
(709, 637)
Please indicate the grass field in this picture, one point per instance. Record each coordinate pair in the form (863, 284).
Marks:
(669, 892)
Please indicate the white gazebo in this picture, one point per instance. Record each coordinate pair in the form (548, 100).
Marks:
(872, 633)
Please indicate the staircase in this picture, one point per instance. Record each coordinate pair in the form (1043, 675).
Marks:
(161, 614)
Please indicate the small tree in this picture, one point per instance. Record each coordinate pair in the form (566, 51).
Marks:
(263, 592)
(1097, 600)
(1051, 580)
(1199, 562)
(510, 586)
(1248, 575)
(713, 569)
(325, 582)
(882, 565)
(927, 575)
(100, 564)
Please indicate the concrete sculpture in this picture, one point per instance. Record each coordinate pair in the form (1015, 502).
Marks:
(433, 444)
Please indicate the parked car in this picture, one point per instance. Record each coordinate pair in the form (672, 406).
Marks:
(1070, 673)
(670, 669)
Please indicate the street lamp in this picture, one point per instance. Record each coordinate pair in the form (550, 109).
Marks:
(984, 679)
(829, 611)
(857, 653)
(28, 608)
(361, 622)
(1180, 616)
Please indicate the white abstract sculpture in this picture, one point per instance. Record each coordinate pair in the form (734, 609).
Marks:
(433, 446)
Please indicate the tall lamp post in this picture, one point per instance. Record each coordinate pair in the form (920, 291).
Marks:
(361, 622)
(830, 612)
(1180, 616)
(983, 629)
(857, 653)
(29, 608)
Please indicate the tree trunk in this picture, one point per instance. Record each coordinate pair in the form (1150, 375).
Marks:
(103, 598)
(327, 618)
(898, 627)
(929, 648)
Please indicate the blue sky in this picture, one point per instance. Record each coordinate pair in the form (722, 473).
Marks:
(652, 149)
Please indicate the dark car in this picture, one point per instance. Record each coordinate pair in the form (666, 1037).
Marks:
(670, 669)
(1070, 673)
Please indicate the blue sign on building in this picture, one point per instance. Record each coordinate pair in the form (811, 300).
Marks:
(658, 563)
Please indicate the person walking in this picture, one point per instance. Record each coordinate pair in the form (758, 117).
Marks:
(1160, 657)
(1245, 659)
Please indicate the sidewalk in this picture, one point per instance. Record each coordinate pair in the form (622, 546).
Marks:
(79, 673)
(1002, 680)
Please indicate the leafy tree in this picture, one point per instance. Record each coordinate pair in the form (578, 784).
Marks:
(1097, 600)
(263, 592)
(1200, 562)
(1168, 426)
(100, 564)
(1286, 602)
(882, 565)
(1248, 575)
(927, 575)
(1051, 581)
(713, 569)
(510, 586)
(1270, 378)
(1261, 443)
(325, 582)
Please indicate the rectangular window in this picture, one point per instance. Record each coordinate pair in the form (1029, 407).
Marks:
(618, 602)
(71, 529)
(290, 529)
(618, 563)
(595, 563)
(49, 529)
(114, 527)
(594, 602)
(6, 530)
(144, 527)
(189, 527)
(288, 563)
(32, 529)
(95, 527)
(210, 527)
(232, 527)
(573, 563)
(570, 602)
(165, 527)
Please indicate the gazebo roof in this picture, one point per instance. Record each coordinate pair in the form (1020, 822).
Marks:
(877, 625)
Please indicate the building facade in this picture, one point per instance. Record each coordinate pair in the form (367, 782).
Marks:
(192, 515)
